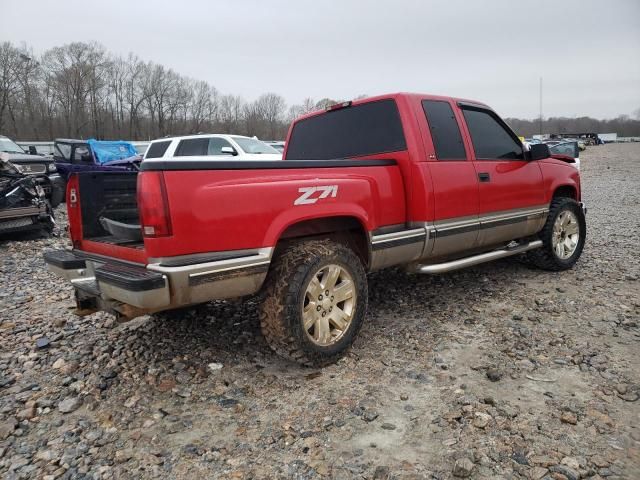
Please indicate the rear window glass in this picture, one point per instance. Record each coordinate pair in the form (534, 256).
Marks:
(365, 129)
(444, 130)
(157, 149)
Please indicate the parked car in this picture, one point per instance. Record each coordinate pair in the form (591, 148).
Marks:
(43, 169)
(23, 203)
(429, 183)
(567, 149)
(211, 147)
(93, 155)
(37, 148)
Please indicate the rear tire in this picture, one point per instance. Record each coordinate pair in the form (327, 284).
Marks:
(563, 236)
(299, 320)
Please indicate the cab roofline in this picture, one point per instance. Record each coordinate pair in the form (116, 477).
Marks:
(395, 96)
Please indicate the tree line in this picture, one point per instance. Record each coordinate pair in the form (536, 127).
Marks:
(80, 90)
(623, 125)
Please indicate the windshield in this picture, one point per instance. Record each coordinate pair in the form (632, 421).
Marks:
(251, 145)
(9, 146)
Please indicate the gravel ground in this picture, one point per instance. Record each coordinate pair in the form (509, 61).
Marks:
(499, 371)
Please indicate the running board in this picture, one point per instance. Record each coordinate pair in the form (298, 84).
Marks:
(477, 259)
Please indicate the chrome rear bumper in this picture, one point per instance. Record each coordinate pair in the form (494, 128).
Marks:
(128, 289)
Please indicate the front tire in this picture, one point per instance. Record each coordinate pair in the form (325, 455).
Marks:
(315, 302)
(563, 236)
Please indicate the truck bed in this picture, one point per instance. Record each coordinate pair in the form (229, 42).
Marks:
(108, 195)
(218, 206)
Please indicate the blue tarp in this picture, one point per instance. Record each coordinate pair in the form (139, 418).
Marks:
(105, 151)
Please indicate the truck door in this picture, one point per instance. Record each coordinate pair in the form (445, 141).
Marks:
(455, 188)
(511, 188)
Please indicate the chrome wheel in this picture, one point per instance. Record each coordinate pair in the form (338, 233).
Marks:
(566, 234)
(329, 305)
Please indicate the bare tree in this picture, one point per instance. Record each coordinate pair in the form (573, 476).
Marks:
(10, 60)
(272, 107)
(230, 116)
(79, 89)
(308, 105)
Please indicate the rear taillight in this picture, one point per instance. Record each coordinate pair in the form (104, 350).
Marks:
(73, 210)
(153, 205)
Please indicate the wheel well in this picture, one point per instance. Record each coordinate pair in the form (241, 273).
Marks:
(566, 191)
(346, 230)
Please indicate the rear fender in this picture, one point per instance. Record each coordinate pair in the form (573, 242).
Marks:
(235, 210)
(326, 198)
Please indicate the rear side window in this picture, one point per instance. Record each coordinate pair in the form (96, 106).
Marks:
(491, 139)
(191, 147)
(157, 149)
(365, 129)
(444, 129)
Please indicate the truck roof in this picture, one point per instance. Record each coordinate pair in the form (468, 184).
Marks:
(397, 95)
(69, 140)
(198, 135)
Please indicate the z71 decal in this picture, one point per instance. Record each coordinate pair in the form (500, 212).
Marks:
(313, 194)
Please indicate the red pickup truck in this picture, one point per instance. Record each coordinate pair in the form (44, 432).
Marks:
(431, 183)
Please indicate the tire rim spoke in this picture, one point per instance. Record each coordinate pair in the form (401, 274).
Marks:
(314, 289)
(343, 291)
(330, 277)
(339, 319)
(308, 316)
(322, 330)
(572, 229)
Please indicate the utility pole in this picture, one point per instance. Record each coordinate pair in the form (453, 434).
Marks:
(540, 119)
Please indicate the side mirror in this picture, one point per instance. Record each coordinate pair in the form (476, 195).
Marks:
(539, 151)
(228, 151)
(32, 150)
(86, 157)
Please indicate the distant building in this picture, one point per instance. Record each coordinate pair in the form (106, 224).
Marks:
(608, 137)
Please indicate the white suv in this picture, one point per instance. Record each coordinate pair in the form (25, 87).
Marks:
(212, 147)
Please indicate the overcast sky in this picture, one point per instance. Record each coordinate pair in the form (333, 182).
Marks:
(588, 52)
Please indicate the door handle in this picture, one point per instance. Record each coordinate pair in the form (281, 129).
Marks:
(484, 177)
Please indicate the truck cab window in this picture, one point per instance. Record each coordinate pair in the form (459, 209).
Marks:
(192, 147)
(445, 131)
(63, 150)
(354, 131)
(157, 149)
(491, 140)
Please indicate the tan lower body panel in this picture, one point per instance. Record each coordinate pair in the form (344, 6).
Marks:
(445, 238)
